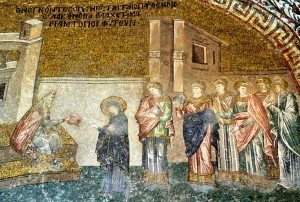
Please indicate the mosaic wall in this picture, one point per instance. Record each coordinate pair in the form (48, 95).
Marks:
(184, 100)
(122, 50)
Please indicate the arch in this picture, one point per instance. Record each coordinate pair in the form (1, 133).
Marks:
(275, 31)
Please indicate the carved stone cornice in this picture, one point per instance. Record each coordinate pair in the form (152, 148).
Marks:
(180, 56)
(159, 55)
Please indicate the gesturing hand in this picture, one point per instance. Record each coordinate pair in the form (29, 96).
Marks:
(276, 109)
(235, 129)
(93, 125)
(150, 115)
(111, 128)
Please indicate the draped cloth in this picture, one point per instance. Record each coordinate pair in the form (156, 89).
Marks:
(286, 122)
(112, 150)
(246, 134)
(146, 123)
(113, 146)
(25, 130)
(228, 160)
(195, 127)
(200, 131)
(35, 132)
(155, 133)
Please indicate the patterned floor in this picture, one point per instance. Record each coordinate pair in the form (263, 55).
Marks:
(86, 189)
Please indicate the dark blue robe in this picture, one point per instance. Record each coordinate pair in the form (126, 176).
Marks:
(113, 153)
(195, 129)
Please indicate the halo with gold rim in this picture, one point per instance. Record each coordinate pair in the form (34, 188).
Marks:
(106, 101)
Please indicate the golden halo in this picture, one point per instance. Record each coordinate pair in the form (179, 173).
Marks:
(106, 101)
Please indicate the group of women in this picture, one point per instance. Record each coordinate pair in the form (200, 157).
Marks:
(254, 135)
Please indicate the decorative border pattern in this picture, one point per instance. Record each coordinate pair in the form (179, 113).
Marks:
(277, 32)
(287, 10)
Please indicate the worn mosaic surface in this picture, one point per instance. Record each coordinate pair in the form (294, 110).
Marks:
(183, 100)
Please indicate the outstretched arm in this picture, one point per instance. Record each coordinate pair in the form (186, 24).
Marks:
(48, 122)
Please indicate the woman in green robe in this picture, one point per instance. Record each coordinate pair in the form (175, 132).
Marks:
(286, 124)
(156, 129)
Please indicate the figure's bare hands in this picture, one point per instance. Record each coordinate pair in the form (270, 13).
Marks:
(150, 115)
(176, 104)
(93, 125)
(66, 119)
(111, 128)
(277, 109)
(273, 107)
(156, 110)
(235, 129)
(267, 104)
(191, 107)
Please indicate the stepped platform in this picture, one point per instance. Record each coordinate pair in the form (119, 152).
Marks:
(17, 170)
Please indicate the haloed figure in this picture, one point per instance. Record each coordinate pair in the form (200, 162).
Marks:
(285, 116)
(227, 145)
(250, 117)
(155, 121)
(112, 147)
(200, 130)
(34, 132)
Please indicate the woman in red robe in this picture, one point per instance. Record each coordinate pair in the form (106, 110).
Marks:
(200, 129)
(156, 130)
(252, 131)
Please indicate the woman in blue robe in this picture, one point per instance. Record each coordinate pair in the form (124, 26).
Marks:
(113, 146)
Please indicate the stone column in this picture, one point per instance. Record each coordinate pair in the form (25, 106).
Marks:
(160, 51)
(28, 63)
(154, 51)
(178, 55)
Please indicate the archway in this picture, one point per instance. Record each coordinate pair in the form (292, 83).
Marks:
(276, 32)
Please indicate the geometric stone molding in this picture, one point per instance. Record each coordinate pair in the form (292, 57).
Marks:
(181, 56)
(159, 55)
(274, 30)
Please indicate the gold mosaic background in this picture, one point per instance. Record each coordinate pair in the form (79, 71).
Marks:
(123, 51)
